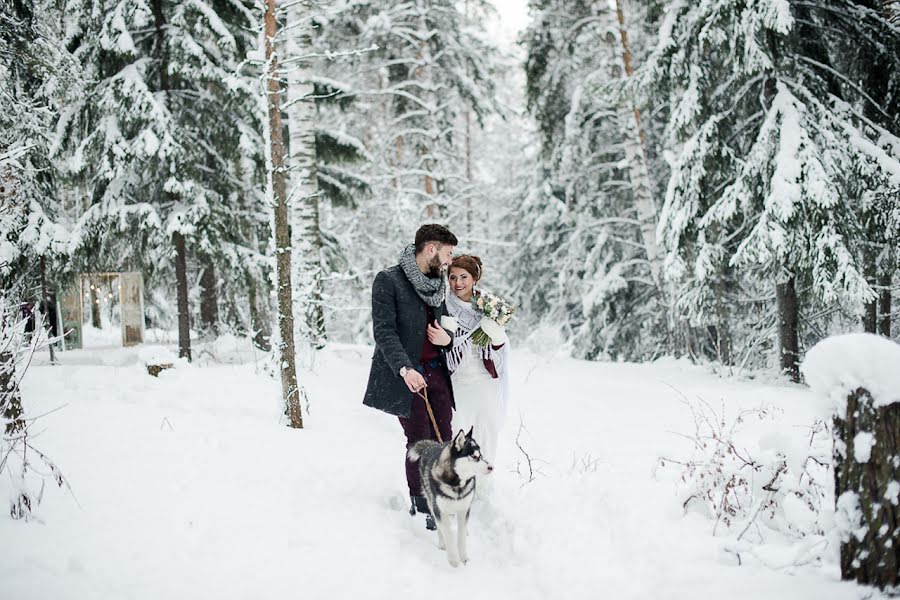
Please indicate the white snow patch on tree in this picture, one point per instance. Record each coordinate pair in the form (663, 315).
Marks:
(849, 518)
(893, 493)
(862, 446)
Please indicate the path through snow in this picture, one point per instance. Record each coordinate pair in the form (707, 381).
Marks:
(187, 487)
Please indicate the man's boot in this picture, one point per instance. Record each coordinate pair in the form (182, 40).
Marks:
(420, 504)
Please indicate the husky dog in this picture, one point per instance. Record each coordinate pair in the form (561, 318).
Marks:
(448, 482)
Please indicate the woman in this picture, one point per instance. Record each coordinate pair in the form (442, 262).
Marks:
(478, 374)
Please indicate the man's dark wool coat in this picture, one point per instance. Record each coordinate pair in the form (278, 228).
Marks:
(398, 322)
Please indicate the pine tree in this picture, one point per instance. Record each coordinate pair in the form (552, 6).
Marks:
(763, 146)
(33, 70)
(583, 253)
(391, 135)
(164, 139)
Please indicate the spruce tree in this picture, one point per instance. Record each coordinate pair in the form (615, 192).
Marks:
(583, 252)
(764, 146)
(165, 140)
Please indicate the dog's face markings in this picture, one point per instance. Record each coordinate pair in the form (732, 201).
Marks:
(468, 458)
(465, 447)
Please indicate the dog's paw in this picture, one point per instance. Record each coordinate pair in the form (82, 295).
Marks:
(454, 562)
(464, 559)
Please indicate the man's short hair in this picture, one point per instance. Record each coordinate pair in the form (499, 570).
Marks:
(434, 233)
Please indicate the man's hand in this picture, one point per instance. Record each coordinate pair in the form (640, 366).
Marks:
(414, 380)
(437, 335)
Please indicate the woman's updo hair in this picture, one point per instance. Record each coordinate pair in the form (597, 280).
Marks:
(470, 263)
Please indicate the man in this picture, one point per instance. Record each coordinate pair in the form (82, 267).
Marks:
(407, 306)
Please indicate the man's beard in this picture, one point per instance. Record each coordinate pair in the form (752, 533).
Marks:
(434, 266)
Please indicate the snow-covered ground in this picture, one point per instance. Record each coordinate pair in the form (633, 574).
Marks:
(187, 486)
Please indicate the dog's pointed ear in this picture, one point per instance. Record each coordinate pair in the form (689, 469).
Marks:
(469, 435)
(459, 441)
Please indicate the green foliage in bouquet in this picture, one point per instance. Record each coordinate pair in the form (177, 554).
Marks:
(494, 309)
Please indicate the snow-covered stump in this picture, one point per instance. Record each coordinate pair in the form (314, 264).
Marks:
(859, 376)
(157, 359)
(866, 476)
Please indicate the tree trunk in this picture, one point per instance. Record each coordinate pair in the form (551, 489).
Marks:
(48, 310)
(209, 300)
(278, 178)
(184, 317)
(866, 492)
(304, 195)
(260, 325)
(870, 309)
(95, 305)
(638, 173)
(10, 397)
(884, 305)
(788, 343)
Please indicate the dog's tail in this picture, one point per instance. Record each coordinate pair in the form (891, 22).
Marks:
(415, 453)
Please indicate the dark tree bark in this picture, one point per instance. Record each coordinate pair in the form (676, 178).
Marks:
(209, 299)
(261, 331)
(870, 310)
(48, 308)
(788, 341)
(184, 316)
(884, 305)
(95, 305)
(10, 397)
(287, 355)
(871, 554)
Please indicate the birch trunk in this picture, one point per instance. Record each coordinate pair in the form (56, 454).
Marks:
(636, 159)
(278, 182)
(304, 189)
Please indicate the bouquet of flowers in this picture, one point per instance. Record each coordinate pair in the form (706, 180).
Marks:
(497, 313)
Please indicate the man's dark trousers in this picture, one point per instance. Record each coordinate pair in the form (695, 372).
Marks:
(418, 425)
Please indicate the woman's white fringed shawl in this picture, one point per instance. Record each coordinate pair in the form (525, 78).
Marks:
(462, 352)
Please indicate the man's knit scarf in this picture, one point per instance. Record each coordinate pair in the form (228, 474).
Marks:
(432, 290)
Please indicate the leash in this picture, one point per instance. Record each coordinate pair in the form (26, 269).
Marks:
(430, 413)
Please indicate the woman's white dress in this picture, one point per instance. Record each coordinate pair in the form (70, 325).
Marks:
(477, 396)
(480, 398)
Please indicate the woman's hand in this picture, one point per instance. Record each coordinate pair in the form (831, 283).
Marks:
(494, 330)
(437, 335)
